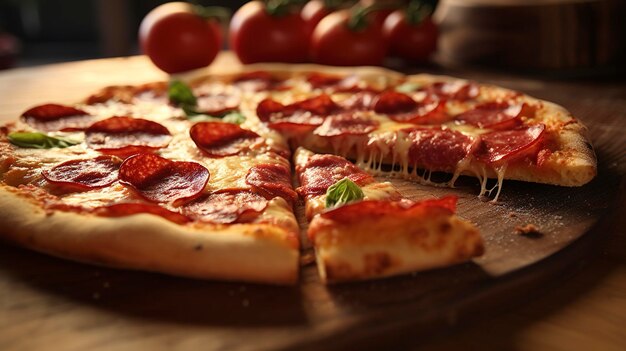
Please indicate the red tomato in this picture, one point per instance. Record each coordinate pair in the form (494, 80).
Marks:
(411, 42)
(257, 36)
(334, 43)
(313, 12)
(386, 8)
(178, 40)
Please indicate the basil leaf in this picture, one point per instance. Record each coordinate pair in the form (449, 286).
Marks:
(181, 95)
(235, 117)
(190, 110)
(38, 140)
(342, 192)
(408, 87)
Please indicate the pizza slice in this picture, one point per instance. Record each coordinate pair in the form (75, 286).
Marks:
(150, 190)
(440, 124)
(364, 229)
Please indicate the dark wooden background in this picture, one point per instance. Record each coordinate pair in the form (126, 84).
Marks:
(564, 290)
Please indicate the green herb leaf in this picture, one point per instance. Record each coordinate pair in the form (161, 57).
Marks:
(181, 95)
(408, 87)
(342, 192)
(190, 110)
(38, 140)
(235, 117)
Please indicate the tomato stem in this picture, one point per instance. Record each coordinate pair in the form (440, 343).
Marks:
(221, 14)
(338, 4)
(281, 7)
(358, 16)
(418, 10)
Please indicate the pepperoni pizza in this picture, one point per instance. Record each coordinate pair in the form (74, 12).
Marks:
(196, 179)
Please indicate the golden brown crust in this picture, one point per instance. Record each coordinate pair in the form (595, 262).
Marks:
(391, 245)
(241, 252)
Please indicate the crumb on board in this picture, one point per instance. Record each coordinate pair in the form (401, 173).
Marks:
(529, 230)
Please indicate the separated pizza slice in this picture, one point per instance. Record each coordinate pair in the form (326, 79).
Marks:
(364, 229)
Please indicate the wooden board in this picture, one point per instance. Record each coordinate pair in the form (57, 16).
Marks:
(46, 301)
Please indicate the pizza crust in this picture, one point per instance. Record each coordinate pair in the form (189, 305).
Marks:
(391, 246)
(242, 252)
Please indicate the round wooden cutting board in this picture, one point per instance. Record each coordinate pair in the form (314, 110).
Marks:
(47, 301)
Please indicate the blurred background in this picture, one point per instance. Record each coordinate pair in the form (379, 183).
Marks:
(583, 37)
(49, 31)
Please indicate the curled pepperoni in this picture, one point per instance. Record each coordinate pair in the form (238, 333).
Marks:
(438, 149)
(510, 144)
(301, 115)
(127, 209)
(322, 171)
(125, 136)
(402, 108)
(54, 117)
(217, 104)
(457, 90)
(346, 124)
(218, 139)
(226, 207)
(158, 179)
(393, 102)
(496, 115)
(356, 211)
(85, 174)
(272, 180)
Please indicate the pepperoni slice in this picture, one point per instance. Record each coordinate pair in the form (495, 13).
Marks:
(127, 209)
(219, 139)
(346, 124)
(272, 180)
(356, 211)
(85, 174)
(496, 115)
(510, 144)
(402, 108)
(457, 90)
(124, 136)
(158, 179)
(322, 171)
(358, 102)
(438, 149)
(299, 116)
(54, 117)
(226, 207)
(319, 80)
(217, 104)
(393, 102)
(258, 81)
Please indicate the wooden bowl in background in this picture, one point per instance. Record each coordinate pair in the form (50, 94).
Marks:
(534, 34)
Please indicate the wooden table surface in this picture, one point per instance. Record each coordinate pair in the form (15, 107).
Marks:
(582, 307)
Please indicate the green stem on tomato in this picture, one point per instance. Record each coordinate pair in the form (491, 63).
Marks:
(281, 7)
(338, 4)
(418, 10)
(358, 15)
(221, 14)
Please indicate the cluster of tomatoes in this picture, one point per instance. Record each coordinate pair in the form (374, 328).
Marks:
(179, 36)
